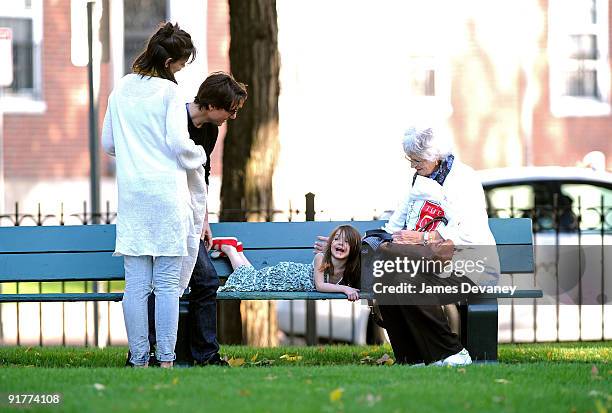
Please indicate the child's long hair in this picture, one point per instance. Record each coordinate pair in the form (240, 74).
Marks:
(168, 42)
(352, 268)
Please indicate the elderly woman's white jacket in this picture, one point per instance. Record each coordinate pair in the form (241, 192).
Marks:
(461, 200)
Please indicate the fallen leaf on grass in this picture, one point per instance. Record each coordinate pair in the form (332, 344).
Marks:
(461, 370)
(262, 362)
(175, 381)
(254, 357)
(385, 360)
(290, 357)
(270, 377)
(599, 407)
(501, 381)
(244, 392)
(336, 394)
(371, 399)
(235, 362)
(367, 360)
(99, 386)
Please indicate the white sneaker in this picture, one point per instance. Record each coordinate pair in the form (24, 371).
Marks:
(460, 359)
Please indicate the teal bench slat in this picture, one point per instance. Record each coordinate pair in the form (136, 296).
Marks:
(57, 238)
(516, 259)
(7, 298)
(227, 295)
(93, 238)
(511, 231)
(60, 267)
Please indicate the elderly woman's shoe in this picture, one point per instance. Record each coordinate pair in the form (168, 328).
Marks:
(456, 360)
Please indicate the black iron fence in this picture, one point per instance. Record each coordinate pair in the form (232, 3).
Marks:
(557, 221)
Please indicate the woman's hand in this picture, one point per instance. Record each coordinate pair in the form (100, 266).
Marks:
(351, 293)
(320, 244)
(443, 250)
(206, 235)
(408, 237)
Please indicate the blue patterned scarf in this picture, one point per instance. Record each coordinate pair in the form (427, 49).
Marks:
(440, 174)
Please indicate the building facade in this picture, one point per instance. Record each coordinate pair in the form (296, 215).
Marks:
(514, 83)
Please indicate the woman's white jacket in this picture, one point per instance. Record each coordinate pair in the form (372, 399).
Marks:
(160, 179)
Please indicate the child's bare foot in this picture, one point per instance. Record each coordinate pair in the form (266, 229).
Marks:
(166, 364)
(227, 249)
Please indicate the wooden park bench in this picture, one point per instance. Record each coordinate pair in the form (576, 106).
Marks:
(84, 253)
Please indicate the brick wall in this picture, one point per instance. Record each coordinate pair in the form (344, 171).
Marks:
(54, 144)
(485, 117)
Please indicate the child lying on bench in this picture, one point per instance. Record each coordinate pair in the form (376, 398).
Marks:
(337, 270)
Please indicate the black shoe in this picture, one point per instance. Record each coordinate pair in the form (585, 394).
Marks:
(214, 360)
(152, 360)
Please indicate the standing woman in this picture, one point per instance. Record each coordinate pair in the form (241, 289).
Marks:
(145, 129)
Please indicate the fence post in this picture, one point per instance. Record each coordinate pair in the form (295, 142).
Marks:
(310, 209)
(311, 305)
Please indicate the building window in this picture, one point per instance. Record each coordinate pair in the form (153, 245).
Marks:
(428, 85)
(24, 18)
(578, 49)
(140, 18)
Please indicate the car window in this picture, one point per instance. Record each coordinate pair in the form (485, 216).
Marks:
(536, 199)
(590, 204)
(505, 201)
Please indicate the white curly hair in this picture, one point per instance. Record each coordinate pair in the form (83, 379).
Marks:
(426, 143)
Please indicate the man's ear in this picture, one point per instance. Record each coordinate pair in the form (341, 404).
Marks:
(167, 62)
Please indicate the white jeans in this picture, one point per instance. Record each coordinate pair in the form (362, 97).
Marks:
(144, 274)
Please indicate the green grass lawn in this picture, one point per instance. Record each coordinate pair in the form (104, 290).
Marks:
(568, 377)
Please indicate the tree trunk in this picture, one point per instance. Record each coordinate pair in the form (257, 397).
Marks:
(251, 147)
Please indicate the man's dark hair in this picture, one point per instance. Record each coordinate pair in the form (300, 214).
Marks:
(222, 91)
(168, 42)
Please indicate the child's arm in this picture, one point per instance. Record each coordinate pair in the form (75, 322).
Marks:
(321, 286)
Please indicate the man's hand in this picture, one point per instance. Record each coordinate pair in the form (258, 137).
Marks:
(320, 244)
(207, 235)
(407, 237)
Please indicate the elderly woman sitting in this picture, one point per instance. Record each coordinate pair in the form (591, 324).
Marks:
(445, 205)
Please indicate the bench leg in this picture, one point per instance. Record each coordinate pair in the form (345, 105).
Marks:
(479, 328)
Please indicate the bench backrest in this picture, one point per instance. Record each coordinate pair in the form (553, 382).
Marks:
(84, 252)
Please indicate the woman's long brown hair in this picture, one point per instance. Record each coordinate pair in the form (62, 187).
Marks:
(168, 42)
(352, 268)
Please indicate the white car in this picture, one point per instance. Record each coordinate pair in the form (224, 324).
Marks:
(571, 209)
(541, 192)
